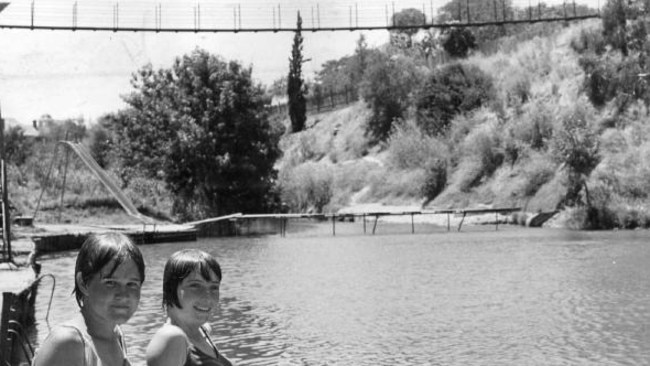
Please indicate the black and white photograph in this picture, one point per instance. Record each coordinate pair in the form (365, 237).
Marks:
(316, 183)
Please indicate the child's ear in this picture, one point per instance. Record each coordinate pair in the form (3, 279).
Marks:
(80, 283)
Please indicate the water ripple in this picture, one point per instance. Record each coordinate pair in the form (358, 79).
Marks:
(513, 297)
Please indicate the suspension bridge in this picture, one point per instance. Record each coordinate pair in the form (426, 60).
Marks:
(211, 17)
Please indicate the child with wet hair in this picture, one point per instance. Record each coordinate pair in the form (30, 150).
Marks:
(108, 275)
(191, 283)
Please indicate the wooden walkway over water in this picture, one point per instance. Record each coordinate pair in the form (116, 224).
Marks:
(283, 219)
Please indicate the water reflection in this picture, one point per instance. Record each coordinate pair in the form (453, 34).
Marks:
(513, 297)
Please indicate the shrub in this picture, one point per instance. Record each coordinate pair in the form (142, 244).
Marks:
(600, 80)
(17, 146)
(575, 143)
(100, 144)
(386, 88)
(307, 187)
(458, 41)
(484, 145)
(409, 148)
(537, 172)
(450, 91)
(468, 175)
(615, 24)
(435, 179)
(535, 126)
(589, 40)
(519, 89)
(404, 185)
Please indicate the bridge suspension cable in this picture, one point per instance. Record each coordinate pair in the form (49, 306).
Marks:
(251, 16)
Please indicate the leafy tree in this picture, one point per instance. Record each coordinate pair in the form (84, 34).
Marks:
(407, 22)
(336, 74)
(449, 91)
(101, 141)
(458, 41)
(279, 87)
(615, 24)
(387, 88)
(295, 85)
(345, 73)
(360, 60)
(72, 129)
(576, 146)
(479, 11)
(204, 125)
(17, 146)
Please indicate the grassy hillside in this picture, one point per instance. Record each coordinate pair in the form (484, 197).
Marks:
(500, 155)
(556, 119)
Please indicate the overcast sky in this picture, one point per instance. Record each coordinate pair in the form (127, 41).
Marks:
(82, 74)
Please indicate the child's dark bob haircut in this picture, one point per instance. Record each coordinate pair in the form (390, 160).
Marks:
(101, 249)
(180, 265)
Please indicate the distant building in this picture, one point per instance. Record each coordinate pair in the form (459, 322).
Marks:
(29, 129)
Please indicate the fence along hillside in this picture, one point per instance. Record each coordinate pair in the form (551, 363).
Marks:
(322, 100)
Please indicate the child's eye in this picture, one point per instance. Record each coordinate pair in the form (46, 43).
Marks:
(109, 283)
(133, 285)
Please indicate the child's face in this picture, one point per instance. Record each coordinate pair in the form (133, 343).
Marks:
(115, 297)
(198, 297)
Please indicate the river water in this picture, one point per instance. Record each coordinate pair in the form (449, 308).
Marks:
(479, 297)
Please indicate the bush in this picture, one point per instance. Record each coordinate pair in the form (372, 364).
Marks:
(600, 80)
(537, 172)
(615, 24)
(589, 40)
(409, 148)
(535, 126)
(386, 88)
(458, 41)
(450, 91)
(484, 145)
(435, 179)
(468, 175)
(575, 143)
(17, 146)
(404, 185)
(307, 187)
(100, 144)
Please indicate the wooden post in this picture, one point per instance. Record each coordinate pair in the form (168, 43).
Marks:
(65, 174)
(5, 344)
(412, 224)
(375, 226)
(6, 220)
(286, 223)
(333, 225)
(461, 220)
(364, 223)
(448, 221)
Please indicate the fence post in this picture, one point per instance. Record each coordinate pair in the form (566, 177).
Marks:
(5, 345)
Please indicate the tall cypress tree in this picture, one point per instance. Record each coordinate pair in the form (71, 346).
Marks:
(296, 87)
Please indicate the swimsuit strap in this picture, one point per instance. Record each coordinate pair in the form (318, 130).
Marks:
(87, 360)
(122, 343)
(207, 337)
